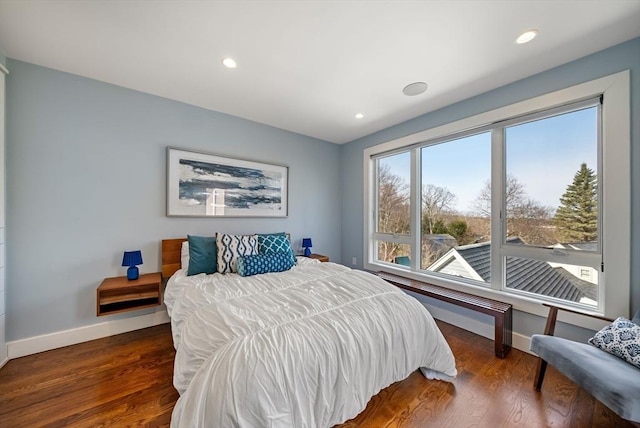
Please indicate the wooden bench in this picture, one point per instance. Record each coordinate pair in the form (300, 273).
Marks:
(501, 312)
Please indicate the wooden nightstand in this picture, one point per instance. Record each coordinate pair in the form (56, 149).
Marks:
(319, 257)
(120, 295)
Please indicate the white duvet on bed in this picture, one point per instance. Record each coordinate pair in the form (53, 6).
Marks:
(304, 348)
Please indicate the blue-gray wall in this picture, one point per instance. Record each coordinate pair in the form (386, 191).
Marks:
(86, 172)
(622, 57)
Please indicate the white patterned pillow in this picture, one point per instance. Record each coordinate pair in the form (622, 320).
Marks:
(230, 247)
(620, 338)
(184, 255)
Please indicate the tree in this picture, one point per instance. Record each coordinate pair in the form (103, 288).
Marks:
(514, 196)
(458, 229)
(436, 200)
(577, 215)
(531, 221)
(439, 227)
(526, 217)
(393, 211)
(393, 202)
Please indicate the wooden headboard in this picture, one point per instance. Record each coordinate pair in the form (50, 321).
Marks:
(171, 249)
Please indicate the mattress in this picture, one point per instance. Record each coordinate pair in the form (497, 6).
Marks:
(303, 348)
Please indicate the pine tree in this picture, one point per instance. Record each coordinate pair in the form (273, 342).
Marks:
(577, 215)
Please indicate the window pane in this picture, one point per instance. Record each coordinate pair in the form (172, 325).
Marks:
(393, 194)
(551, 185)
(455, 204)
(578, 284)
(394, 253)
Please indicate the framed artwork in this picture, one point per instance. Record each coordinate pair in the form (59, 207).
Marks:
(205, 185)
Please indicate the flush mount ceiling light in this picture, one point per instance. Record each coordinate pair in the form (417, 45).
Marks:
(229, 63)
(415, 88)
(526, 37)
(359, 115)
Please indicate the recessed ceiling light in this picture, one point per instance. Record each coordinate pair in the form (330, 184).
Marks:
(359, 116)
(526, 37)
(415, 88)
(229, 63)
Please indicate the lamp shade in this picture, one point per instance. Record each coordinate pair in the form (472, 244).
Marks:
(132, 258)
(306, 243)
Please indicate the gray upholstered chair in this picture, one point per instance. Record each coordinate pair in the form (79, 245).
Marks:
(611, 380)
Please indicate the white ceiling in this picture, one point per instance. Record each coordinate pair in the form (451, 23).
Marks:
(309, 66)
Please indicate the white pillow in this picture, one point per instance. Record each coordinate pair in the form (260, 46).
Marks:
(184, 255)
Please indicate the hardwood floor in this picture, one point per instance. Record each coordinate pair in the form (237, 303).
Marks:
(125, 380)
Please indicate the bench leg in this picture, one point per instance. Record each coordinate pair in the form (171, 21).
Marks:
(540, 370)
(502, 336)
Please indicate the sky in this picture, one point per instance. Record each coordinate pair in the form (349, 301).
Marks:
(543, 156)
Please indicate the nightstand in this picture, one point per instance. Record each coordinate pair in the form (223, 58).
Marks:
(319, 257)
(120, 295)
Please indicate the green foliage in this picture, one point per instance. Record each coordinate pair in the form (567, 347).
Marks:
(458, 229)
(577, 215)
(436, 202)
(439, 227)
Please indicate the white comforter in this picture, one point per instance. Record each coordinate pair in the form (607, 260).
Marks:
(304, 348)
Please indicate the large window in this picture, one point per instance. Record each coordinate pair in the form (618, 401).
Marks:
(529, 201)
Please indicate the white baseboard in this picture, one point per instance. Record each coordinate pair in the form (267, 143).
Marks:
(519, 341)
(522, 343)
(2, 363)
(46, 342)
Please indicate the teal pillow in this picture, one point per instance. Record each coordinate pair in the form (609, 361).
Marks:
(203, 255)
(273, 243)
(264, 263)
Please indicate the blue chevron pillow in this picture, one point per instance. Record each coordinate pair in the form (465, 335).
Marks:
(264, 263)
(230, 247)
(273, 243)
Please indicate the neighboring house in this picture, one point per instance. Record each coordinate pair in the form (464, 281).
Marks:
(438, 244)
(533, 276)
(584, 246)
(583, 272)
(434, 246)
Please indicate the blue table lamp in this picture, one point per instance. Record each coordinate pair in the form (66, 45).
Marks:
(132, 259)
(306, 244)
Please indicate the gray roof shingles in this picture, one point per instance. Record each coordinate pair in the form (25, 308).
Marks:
(529, 275)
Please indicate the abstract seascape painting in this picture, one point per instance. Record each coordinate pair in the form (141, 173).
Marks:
(204, 185)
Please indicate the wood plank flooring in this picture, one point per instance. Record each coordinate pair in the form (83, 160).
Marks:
(125, 381)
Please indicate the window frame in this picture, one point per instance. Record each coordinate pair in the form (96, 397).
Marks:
(501, 249)
(614, 175)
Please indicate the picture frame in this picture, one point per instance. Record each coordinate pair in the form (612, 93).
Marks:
(207, 185)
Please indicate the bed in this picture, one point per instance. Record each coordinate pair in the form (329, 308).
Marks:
(307, 347)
